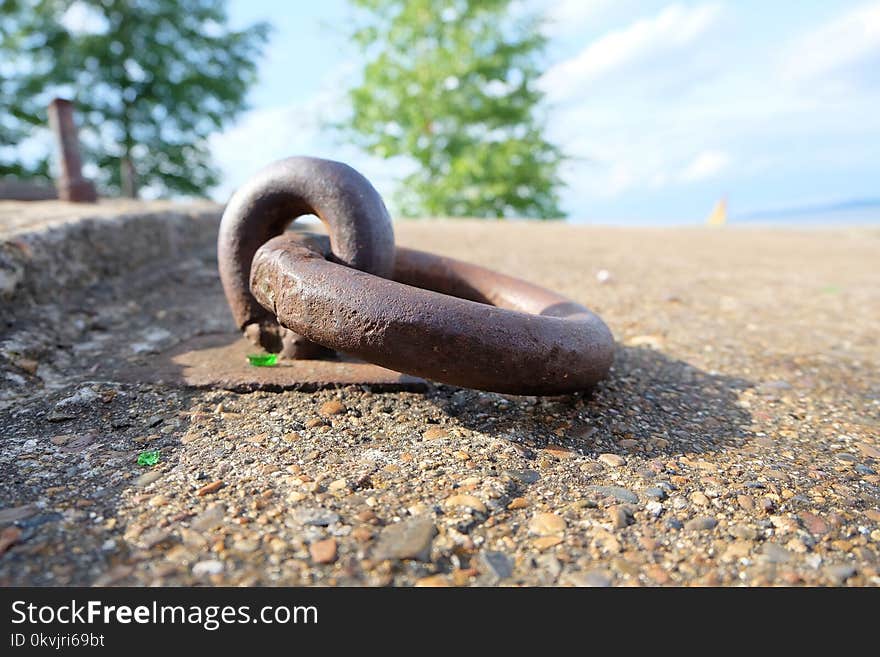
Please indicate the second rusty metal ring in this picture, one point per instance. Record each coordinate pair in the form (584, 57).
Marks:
(439, 318)
(351, 209)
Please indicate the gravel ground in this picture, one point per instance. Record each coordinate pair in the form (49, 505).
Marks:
(734, 443)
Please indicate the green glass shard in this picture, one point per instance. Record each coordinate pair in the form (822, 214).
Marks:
(262, 360)
(148, 458)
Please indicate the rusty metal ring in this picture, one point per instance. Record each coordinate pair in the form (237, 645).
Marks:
(352, 210)
(439, 318)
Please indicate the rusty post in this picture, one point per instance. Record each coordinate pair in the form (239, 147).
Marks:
(71, 184)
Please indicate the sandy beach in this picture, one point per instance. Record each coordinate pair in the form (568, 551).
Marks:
(736, 441)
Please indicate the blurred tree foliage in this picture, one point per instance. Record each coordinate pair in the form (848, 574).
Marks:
(151, 79)
(451, 84)
(15, 110)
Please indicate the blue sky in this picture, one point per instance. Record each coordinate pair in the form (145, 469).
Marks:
(664, 107)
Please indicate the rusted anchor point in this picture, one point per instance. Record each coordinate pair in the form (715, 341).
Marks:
(403, 309)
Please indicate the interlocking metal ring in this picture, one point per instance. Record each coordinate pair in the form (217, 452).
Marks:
(431, 316)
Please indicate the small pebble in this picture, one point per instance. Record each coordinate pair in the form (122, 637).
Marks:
(700, 523)
(337, 485)
(813, 523)
(546, 524)
(213, 487)
(775, 553)
(407, 539)
(497, 564)
(518, 503)
(869, 451)
(618, 493)
(591, 578)
(523, 476)
(656, 493)
(316, 517)
(147, 478)
(210, 567)
(9, 537)
(840, 573)
(620, 516)
(612, 460)
(323, 551)
(546, 542)
(433, 433)
(466, 501)
(332, 407)
(746, 502)
(209, 519)
(678, 503)
(699, 499)
(432, 581)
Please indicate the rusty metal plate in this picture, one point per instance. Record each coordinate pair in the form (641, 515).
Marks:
(220, 361)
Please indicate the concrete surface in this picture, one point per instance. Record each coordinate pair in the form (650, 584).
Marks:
(735, 442)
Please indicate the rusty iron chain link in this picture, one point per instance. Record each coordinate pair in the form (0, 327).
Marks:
(407, 310)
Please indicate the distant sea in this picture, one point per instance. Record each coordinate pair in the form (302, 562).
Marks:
(849, 213)
(863, 212)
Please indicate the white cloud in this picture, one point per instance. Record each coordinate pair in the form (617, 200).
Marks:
(673, 28)
(840, 43)
(667, 118)
(263, 136)
(620, 178)
(705, 165)
(566, 16)
(82, 19)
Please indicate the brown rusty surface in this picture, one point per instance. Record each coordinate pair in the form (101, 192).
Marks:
(440, 318)
(71, 184)
(352, 210)
(220, 361)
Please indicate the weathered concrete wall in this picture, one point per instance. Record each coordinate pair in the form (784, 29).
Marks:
(47, 248)
(13, 189)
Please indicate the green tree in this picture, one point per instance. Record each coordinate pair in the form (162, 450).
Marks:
(451, 85)
(151, 79)
(16, 106)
